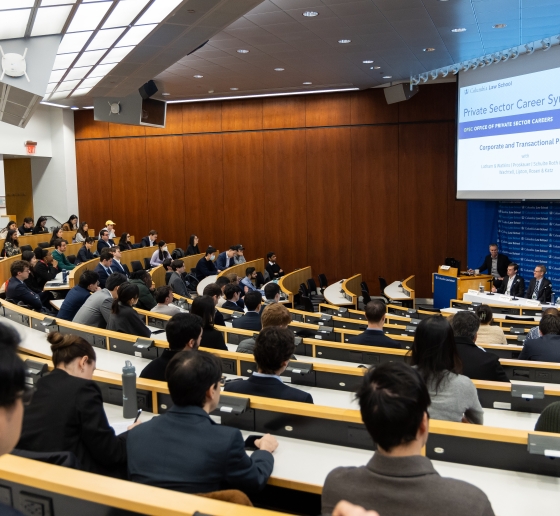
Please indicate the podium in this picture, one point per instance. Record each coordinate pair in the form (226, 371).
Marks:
(448, 285)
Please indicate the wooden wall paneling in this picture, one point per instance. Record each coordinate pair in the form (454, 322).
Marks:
(329, 109)
(244, 207)
(370, 107)
(204, 190)
(173, 122)
(433, 102)
(283, 112)
(19, 188)
(375, 210)
(242, 115)
(166, 188)
(93, 170)
(285, 197)
(129, 186)
(423, 179)
(86, 127)
(124, 130)
(329, 202)
(202, 117)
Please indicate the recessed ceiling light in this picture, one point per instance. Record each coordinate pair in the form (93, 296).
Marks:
(242, 51)
(499, 26)
(343, 41)
(234, 89)
(375, 67)
(429, 49)
(74, 108)
(279, 69)
(310, 14)
(368, 61)
(387, 76)
(166, 94)
(307, 83)
(198, 76)
(460, 29)
(210, 91)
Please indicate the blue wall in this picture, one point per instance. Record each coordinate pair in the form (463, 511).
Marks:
(482, 230)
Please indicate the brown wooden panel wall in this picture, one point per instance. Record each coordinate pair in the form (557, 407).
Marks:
(342, 182)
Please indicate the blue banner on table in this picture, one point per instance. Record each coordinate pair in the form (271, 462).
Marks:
(445, 289)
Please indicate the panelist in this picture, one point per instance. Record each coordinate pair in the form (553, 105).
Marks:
(273, 269)
(226, 259)
(496, 264)
(205, 266)
(514, 284)
(374, 336)
(539, 288)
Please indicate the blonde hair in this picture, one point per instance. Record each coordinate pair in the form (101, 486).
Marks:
(276, 314)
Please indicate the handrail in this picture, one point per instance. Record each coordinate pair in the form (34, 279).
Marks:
(258, 264)
(353, 288)
(289, 283)
(409, 285)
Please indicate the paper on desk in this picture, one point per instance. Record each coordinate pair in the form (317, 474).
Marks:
(121, 427)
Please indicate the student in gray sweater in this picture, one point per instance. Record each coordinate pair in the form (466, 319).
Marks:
(434, 354)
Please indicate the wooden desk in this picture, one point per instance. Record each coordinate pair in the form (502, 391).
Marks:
(353, 288)
(205, 282)
(395, 292)
(289, 283)
(334, 296)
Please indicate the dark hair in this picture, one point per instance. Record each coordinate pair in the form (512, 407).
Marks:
(375, 310)
(393, 400)
(28, 255)
(12, 376)
(40, 253)
(212, 290)
(105, 255)
(142, 275)
(252, 300)
(269, 255)
(102, 232)
(89, 240)
(484, 314)
(10, 238)
(222, 281)
(115, 280)
(123, 239)
(181, 329)
(167, 263)
(204, 307)
(190, 374)
(230, 291)
(191, 240)
(126, 292)
(58, 242)
(55, 236)
(9, 337)
(88, 278)
(514, 265)
(465, 324)
(271, 290)
(249, 271)
(273, 346)
(542, 267)
(162, 254)
(70, 219)
(162, 293)
(18, 266)
(11, 223)
(27, 220)
(81, 229)
(39, 220)
(550, 325)
(434, 352)
(177, 264)
(66, 348)
(153, 232)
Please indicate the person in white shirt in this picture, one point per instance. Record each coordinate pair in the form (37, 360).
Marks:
(117, 266)
(164, 300)
(110, 227)
(513, 284)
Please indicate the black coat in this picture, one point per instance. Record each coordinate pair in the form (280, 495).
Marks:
(44, 272)
(268, 387)
(230, 305)
(375, 338)
(479, 364)
(128, 321)
(212, 338)
(155, 370)
(544, 349)
(503, 262)
(18, 291)
(517, 287)
(273, 270)
(205, 268)
(66, 414)
(121, 268)
(250, 321)
(545, 290)
(192, 250)
(84, 255)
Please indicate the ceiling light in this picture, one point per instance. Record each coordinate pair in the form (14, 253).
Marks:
(428, 49)
(367, 61)
(104, 38)
(166, 94)
(387, 76)
(117, 55)
(74, 108)
(45, 3)
(234, 89)
(198, 76)
(499, 26)
(56, 75)
(64, 61)
(279, 69)
(102, 70)
(89, 58)
(210, 91)
(88, 16)
(375, 67)
(50, 88)
(124, 13)
(343, 41)
(73, 42)
(158, 11)
(14, 23)
(135, 35)
(90, 82)
(81, 91)
(50, 20)
(242, 51)
(67, 85)
(310, 14)
(87, 107)
(54, 105)
(78, 73)
(307, 83)
(460, 29)
(9, 4)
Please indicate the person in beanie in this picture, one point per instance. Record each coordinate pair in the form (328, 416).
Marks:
(549, 420)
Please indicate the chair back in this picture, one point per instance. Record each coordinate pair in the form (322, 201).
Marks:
(323, 281)
(136, 265)
(72, 258)
(382, 285)
(191, 282)
(260, 279)
(363, 286)
(24, 248)
(303, 289)
(307, 304)
(43, 245)
(366, 297)
(312, 286)
(147, 264)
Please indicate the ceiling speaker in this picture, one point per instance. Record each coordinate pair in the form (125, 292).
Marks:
(148, 90)
(399, 93)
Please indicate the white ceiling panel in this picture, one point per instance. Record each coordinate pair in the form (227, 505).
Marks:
(124, 13)
(50, 20)
(13, 23)
(88, 16)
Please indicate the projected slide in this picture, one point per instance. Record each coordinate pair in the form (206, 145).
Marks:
(509, 138)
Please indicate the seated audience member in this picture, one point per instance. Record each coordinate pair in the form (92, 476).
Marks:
(488, 333)
(117, 266)
(85, 254)
(513, 284)
(434, 354)
(103, 268)
(184, 332)
(184, 449)
(123, 317)
(104, 241)
(95, 312)
(71, 224)
(77, 296)
(143, 280)
(192, 249)
(226, 259)
(44, 269)
(547, 347)
(222, 281)
(478, 364)
(273, 349)
(534, 332)
(60, 257)
(271, 294)
(124, 243)
(539, 287)
(232, 294)
(247, 284)
(40, 226)
(164, 300)
(252, 318)
(17, 291)
(110, 228)
(32, 280)
(150, 240)
(549, 420)
(27, 226)
(240, 255)
(398, 480)
(176, 279)
(11, 244)
(10, 225)
(273, 269)
(56, 234)
(168, 269)
(215, 292)
(67, 414)
(204, 307)
(234, 279)
(82, 233)
(205, 266)
(373, 335)
(272, 315)
(161, 254)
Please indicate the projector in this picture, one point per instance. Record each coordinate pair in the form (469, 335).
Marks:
(14, 65)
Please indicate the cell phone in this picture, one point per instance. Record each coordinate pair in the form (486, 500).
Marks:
(138, 415)
(157, 331)
(250, 442)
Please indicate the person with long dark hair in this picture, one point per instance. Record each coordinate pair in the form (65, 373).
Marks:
(10, 225)
(204, 307)
(123, 317)
(82, 232)
(124, 243)
(193, 246)
(40, 226)
(435, 356)
(56, 234)
(71, 224)
(161, 254)
(11, 244)
(143, 280)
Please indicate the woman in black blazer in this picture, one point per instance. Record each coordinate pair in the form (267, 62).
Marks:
(123, 317)
(44, 270)
(204, 307)
(124, 242)
(193, 246)
(66, 412)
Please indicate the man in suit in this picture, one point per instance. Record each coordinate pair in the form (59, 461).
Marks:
(60, 257)
(17, 291)
(76, 297)
(103, 268)
(104, 241)
(514, 284)
(547, 347)
(539, 287)
(176, 279)
(183, 332)
(184, 449)
(205, 266)
(151, 239)
(117, 266)
(273, 269)
(496, 264)
(226, 259)
(232, 293)
(273, 349)
(247, 282)
(478, 364)
(374, 335)
(252, 319)
(85, 254)
(399, 478)
(26, 227)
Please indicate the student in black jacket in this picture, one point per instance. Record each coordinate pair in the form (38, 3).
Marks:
(374, 336)
(204, 307)
(85, 254)
(123, 317)
(252, 319)
(205, 266)
(40, 226)
(66, 413)
(232, 294)
(33, 283)
(547, 347)
(44, 269)
(193, 246)
(273, 269)
(27, 227)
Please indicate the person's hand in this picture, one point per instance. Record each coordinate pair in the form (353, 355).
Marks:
(464, 419)
(134, 424)
(267, 443)
(501, 279)
(246, 289)
(98, 288)
(344, 508)
(281, 271)
(494, 289)
(49, 258)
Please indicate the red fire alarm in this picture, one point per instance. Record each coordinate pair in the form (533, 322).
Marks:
(31, 147)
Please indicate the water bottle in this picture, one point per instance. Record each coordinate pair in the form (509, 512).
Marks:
(130, 401)
(481, 288)
(64, 276)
